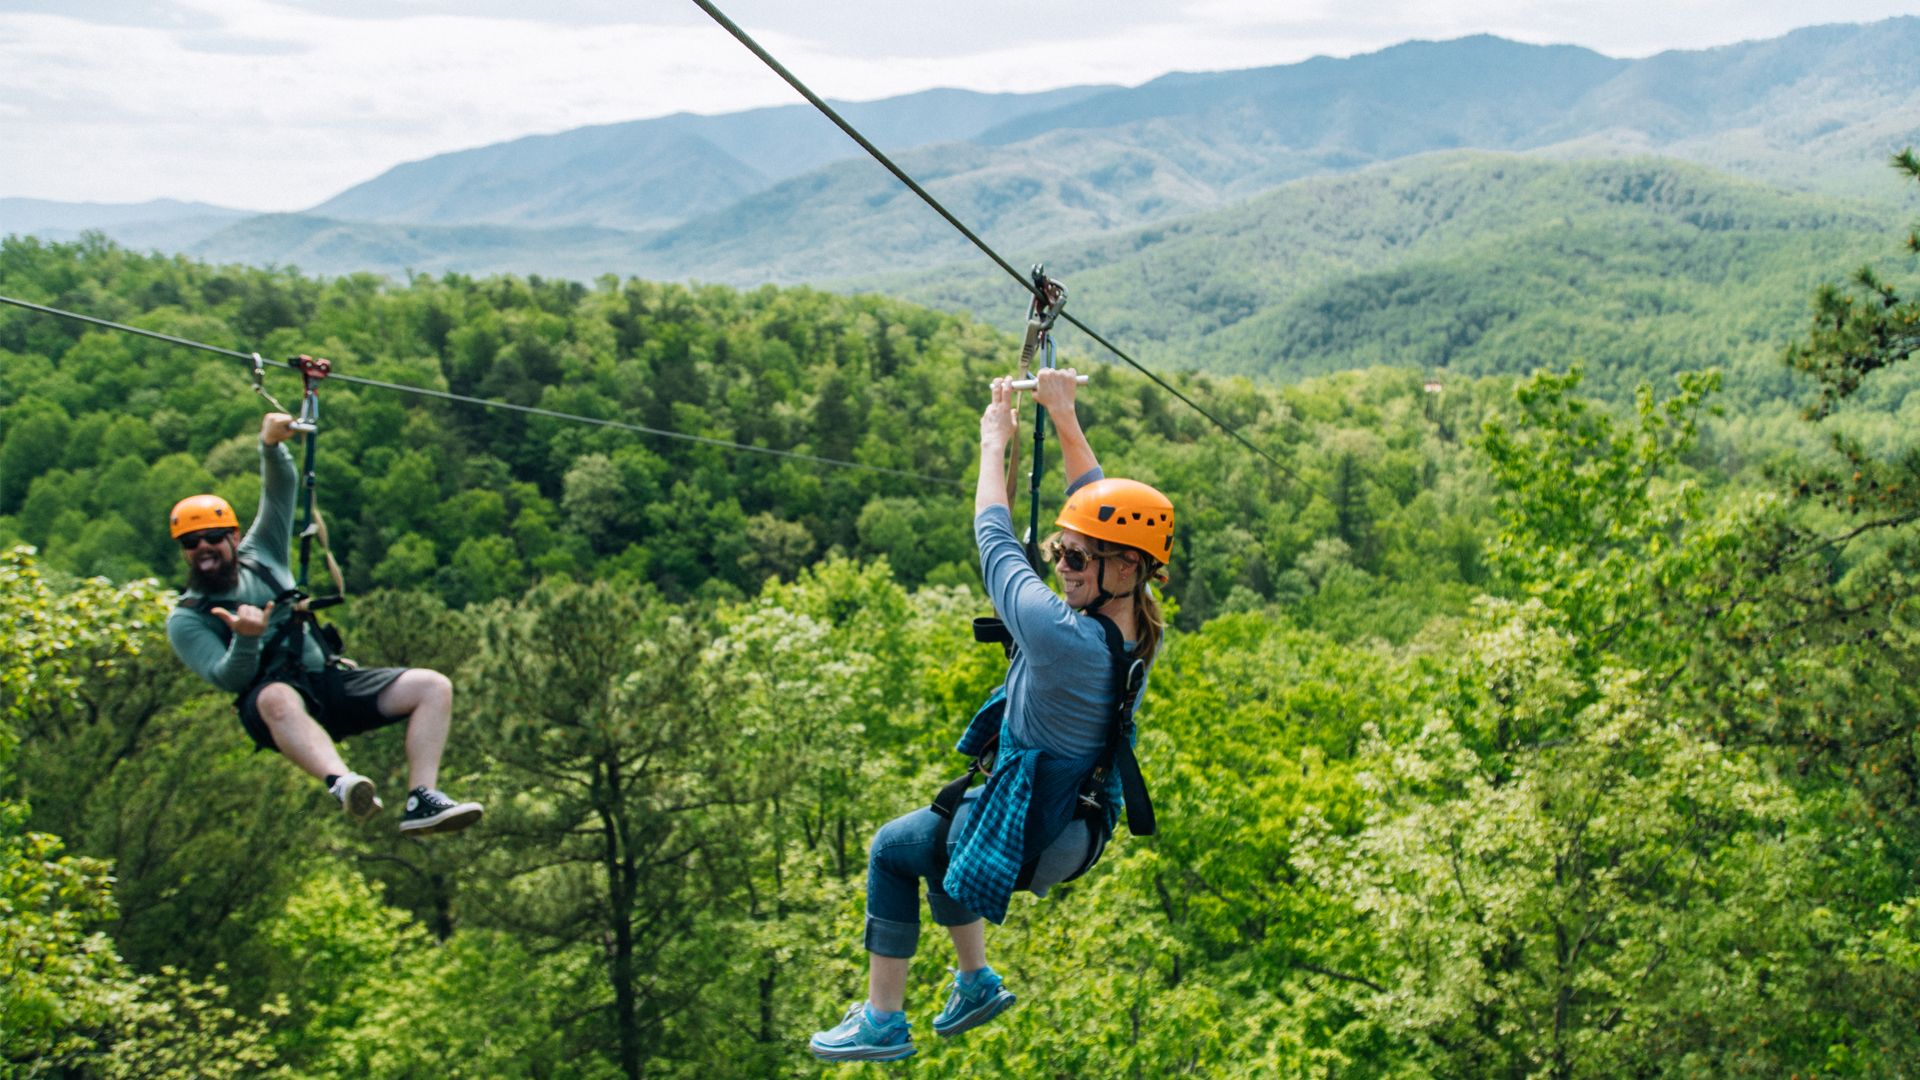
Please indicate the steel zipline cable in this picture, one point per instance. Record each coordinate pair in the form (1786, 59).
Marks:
(490, 403)
(901, 174)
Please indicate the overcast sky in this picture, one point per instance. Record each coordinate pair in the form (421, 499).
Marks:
(279, 104)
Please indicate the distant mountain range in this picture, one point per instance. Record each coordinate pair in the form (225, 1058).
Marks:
(652, 174)
(166, 224)
(780, 195)
(1468, 261)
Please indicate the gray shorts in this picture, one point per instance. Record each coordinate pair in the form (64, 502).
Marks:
(343, 701)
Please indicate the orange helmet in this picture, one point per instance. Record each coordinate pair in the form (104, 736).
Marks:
(1124, 512)
(196, 512)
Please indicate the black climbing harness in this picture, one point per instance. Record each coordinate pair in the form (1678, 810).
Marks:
(281, 654)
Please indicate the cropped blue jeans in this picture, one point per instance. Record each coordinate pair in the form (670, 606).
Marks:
(901, 856)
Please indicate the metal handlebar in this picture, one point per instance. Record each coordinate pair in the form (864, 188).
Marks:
(1028, 384)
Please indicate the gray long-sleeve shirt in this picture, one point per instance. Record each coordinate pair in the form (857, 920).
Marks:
(199, 639)
(1060, 684)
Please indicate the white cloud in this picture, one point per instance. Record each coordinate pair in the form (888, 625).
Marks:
(274, 105)
(319, 103)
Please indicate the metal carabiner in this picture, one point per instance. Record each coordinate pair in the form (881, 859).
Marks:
(1049, 296)
(260, 383)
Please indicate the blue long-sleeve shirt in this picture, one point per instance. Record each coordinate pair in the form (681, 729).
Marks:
(1060, 702)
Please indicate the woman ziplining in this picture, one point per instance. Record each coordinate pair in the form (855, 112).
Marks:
(1058, 733)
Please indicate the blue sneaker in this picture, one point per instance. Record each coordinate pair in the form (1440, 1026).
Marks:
(857, 1038)
(972, 1003)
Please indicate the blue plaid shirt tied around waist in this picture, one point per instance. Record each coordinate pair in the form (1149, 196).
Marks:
(1028, 800)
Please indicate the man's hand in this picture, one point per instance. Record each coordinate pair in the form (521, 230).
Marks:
(1053, 389)
(276, 428)
(249, 621)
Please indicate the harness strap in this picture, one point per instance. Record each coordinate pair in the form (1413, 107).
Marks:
(284, 649)
(945, 803)
(1129, 675)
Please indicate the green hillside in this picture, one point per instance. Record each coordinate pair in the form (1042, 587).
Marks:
(1469, 262)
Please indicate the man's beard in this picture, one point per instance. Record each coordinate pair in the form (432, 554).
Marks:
(219, 582)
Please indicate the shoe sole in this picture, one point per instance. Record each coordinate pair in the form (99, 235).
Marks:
(1001, 1003)
(360, 803)
(864, 1053)
(448, 821)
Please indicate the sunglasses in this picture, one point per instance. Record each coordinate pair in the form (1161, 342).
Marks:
(1075, 558)
(189, 541)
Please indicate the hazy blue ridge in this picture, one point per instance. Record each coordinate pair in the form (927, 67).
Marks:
(620, 179)
(1478, 90)
(324, 246)
(855, 218)
(1684, 93)
(55, 220)
(1107, 182)
(1190, 143)
(652, 173)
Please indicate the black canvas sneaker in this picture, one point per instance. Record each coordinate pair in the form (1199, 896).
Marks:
(429, 811)
(356, 796)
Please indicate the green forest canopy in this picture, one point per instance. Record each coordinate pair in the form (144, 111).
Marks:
(104, 430)
(1523, 734)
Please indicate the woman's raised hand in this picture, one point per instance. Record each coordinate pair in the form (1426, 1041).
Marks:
(997, 423)
(1053, 388)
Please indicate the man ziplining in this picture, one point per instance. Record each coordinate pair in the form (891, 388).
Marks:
(233, 629)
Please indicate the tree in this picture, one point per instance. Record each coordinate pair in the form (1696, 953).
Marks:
(356, 972)
(67, 999)
(1860, 332)
(610, 760)
(1591, 507)
(1567, 882)
(36, 435)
